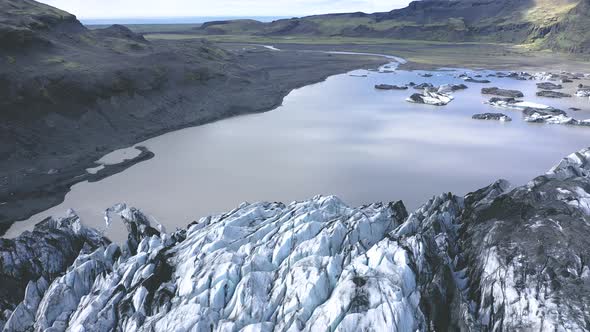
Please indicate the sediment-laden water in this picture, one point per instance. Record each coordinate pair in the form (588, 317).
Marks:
(341, 137)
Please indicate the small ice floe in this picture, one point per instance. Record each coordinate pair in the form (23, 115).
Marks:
(470, 79)
(543, 117)
(430, 97)
(519, 105)
(390, 87)
(502, 92)
(450, 88)
(549, 86)
(553, 94)
(423, 86)
(492, 116)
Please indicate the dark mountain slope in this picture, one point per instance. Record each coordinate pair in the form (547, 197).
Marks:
(26, 23)
(69, 95)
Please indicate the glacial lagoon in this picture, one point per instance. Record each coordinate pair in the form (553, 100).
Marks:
(339, 137)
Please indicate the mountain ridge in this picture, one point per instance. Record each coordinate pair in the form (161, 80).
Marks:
(540, 23)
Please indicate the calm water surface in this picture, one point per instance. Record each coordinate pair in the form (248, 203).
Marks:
(339, 137)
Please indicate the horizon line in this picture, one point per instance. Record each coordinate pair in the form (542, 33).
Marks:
(176, 17)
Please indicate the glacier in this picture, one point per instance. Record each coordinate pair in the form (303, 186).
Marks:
(496, 259)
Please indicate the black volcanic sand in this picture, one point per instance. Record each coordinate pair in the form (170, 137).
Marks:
(48, 148)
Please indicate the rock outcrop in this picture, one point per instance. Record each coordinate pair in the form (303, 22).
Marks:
(496, 259)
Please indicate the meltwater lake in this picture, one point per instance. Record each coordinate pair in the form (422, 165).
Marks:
(339, 137)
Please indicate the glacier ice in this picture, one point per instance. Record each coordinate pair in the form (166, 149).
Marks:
(496, 259)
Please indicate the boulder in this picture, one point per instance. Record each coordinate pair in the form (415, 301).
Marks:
(583, 93)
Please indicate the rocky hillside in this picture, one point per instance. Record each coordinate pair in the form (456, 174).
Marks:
(49, 62)
(69, 95)
(61, 84)
(572, 33)
(494, 260)
(558, 24)
(26, 23)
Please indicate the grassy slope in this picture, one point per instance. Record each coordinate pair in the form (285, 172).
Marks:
(572, 34)
(557, 24)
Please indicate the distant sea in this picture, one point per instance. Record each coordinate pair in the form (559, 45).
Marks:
(174, 20)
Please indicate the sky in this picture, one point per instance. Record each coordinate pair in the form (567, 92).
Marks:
(85, 9)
